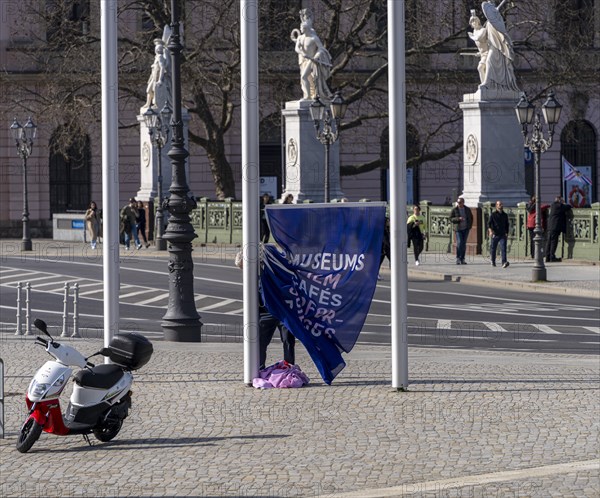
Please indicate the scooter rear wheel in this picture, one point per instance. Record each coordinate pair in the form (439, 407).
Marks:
(29, 435)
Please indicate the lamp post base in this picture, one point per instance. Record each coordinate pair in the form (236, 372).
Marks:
(161, 245)
(26, 245)
(538, 274)
(182, 330)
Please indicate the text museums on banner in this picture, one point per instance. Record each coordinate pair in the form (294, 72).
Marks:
(322, 282)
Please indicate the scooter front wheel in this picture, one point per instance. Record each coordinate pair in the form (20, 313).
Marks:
(108, 431)
(29, 435)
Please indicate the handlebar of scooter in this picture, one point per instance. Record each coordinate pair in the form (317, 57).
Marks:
(41, 341)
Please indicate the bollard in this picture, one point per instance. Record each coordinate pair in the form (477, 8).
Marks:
(19, 325)
(65, 326)
(75, 311)
(27, 309)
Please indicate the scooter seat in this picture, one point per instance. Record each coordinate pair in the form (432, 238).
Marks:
(100, 376)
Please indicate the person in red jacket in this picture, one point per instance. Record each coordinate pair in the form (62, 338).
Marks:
(531, 221)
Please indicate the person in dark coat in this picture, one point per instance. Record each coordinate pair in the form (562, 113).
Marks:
(265, 233)
(557, 224)
(462, 220)
(267, 324)
(141, 223)
(498, 227)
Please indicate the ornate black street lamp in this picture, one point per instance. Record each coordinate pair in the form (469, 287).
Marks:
(326, 134)
(158, 129)
(537, 144)
(24, 137)
(181, 322)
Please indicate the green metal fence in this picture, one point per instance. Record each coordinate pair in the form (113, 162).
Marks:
(220, 222)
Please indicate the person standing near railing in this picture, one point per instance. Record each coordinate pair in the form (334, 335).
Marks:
(462, 219)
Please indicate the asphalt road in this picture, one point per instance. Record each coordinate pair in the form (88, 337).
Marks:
(441, 314)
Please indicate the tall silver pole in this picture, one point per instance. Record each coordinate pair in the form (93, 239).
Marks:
(110, 167)
(251, 180)
(397, 127)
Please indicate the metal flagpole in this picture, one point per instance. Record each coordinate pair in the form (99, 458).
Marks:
(251, 180)
(110, 168)
(397, 165)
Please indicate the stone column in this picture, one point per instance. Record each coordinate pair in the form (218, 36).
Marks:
(149, 160)
(305, 156)
(492, 149)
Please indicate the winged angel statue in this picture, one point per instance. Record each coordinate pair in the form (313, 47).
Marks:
(498, 72)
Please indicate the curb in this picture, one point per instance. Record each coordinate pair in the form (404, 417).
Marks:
(538, 287)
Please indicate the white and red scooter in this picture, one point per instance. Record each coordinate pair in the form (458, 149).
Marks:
(101, 396)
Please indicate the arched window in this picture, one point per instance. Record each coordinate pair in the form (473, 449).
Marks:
(270, 153)
(413, 149)
(578, 145)
(70, 175)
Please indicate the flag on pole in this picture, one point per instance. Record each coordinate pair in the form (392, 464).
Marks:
(321, 283)
(574, 175)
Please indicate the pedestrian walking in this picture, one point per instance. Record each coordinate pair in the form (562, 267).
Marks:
(498, 227)
(92, 222)
(531, 221)
(557, 224)
(385, 245)
(417, 232)
(141, 223)
(265, 232)
(128, 220)
(462, 219)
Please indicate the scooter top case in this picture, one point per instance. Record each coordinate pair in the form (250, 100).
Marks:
(129, 350)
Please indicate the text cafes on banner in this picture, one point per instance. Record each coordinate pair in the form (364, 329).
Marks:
(322, 283)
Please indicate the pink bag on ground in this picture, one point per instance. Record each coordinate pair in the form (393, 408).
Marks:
(281, 375)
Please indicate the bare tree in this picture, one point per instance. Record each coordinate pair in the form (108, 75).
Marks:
(63, 50)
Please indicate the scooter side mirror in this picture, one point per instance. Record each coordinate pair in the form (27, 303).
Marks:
(41, 325)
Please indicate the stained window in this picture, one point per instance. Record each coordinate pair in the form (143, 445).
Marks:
(578, 144)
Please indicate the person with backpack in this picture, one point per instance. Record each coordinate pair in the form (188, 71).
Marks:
(127, 224)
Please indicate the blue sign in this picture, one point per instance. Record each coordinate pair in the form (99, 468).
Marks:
(77, 224)
(322, 282)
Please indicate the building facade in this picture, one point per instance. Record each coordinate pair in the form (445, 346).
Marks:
(561, 53)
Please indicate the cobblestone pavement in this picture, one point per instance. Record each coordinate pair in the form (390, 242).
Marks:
(472, 424)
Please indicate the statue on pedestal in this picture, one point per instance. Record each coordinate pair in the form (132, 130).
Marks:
(158, 90)
(497, 71)
(313, 58)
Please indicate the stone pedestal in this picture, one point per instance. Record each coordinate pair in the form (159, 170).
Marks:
(492, 149)
(305, 157)
(149, 161)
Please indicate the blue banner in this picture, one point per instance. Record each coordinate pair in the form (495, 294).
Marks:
(322, 282)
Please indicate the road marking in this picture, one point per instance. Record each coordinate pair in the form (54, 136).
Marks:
(136, 293)
(89, 293)
(154, 299)
(34, 279)
(224, 302)
(235, 312)
(545, 329)
(494, 326)
(444, 324)
(475, 480)
(596, 330)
